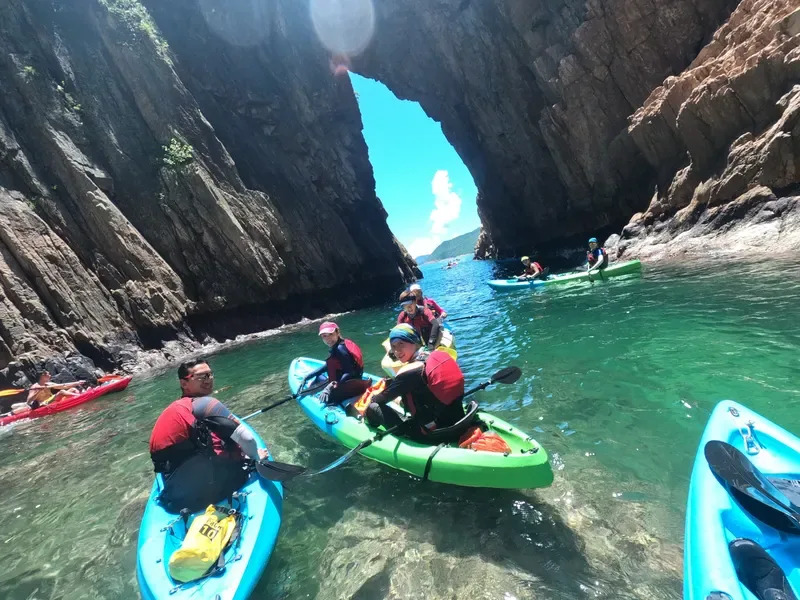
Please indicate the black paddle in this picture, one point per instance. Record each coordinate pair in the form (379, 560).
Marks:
(276, 471)
(757, 494)
(465, 318)
(301, 392)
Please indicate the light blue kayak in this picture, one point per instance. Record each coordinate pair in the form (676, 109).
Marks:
(714, 518)
(160, 534)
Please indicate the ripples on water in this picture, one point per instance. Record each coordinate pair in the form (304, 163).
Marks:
(619, 378)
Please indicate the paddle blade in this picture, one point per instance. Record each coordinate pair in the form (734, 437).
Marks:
(277, 471)
(10, 392)
(757, 495)
(507, 375)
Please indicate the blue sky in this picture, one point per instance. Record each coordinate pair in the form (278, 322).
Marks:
(422, 182)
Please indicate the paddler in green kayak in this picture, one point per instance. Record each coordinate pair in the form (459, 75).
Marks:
(533, 270)
(596, 257)
(198, 445)
(431, 386)
(344, 365)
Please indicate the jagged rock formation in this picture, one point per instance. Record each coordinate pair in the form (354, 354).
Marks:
(725, 136)
(174, 170)
(535, 97)
(176, 183)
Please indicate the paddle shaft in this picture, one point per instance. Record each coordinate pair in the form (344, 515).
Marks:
(310, 390)
(465, 318)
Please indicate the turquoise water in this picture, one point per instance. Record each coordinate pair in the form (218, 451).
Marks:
(619, 378)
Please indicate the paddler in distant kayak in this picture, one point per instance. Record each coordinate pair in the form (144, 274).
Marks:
(345, 367)
(198, 445)
(430, 303)
(431, 386)
(533, 270)
(43, 392)
(596, 257)
(421, 319)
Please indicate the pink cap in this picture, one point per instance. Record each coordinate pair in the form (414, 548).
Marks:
(328, 327)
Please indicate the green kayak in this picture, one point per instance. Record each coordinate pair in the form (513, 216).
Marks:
(527, 466)
(613, 270)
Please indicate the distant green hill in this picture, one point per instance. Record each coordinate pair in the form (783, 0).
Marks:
(463, 244)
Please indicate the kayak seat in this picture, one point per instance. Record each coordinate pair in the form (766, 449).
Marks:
(759, 572)
(447, 434)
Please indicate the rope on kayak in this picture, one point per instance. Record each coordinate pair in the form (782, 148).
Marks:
(430, 461)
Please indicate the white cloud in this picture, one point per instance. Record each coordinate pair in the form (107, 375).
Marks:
(447, 204)
(423, 245)
(446, 208)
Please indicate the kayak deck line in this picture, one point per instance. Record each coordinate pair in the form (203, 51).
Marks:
(613, 270)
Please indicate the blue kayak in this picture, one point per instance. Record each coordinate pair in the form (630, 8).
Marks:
(718, 514)
(160, 534)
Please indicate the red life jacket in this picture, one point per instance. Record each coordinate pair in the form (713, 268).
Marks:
(531, 268)
(334, 366)
(175, 440)
(443, 377)
(444, 384)
(422, 322)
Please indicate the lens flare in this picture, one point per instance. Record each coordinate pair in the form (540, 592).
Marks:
(345, 27)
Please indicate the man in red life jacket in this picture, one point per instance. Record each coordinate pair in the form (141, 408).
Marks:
(431, 386)
(533, 270)
(596, 257)
(344, 365)
(420, 318)
(430, 303)
(198, 445)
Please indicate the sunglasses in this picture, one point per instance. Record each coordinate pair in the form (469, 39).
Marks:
(201, 376)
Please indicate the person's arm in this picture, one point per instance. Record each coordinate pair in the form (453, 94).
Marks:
(405, 382)
(33, 391)
(313, 375)
(222, 422)
(436, 325)
(442, 312)
(65, 386)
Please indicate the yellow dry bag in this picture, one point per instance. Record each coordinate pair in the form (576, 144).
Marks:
(208, 535)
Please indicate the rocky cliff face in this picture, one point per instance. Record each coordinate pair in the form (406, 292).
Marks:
(160, 179)
(535, 97)
(725, 138)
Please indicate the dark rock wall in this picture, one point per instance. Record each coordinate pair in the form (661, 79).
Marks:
(102, 244)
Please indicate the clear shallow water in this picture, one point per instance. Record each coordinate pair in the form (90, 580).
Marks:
(619, 378)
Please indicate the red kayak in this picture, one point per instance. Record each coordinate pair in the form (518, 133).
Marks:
(66, 403)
